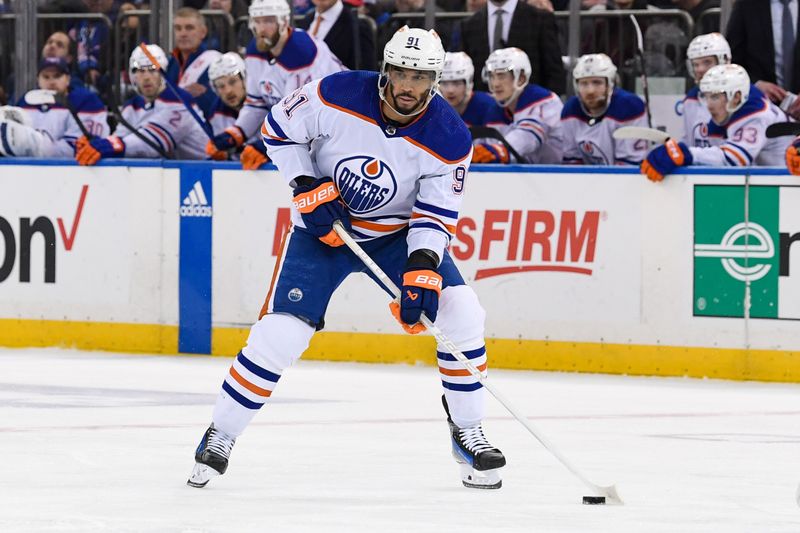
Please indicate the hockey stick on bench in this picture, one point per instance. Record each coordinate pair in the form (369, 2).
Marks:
(640, 132)
(779, 129)
(610, 492)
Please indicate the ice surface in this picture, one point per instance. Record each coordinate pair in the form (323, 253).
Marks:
(93, 441)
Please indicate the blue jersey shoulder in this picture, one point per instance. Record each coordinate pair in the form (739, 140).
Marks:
(221, 108)
(573, 109)
(168, 95)
(353, 90)
(624, 105)
(477, 109)
(84, 100)
(440, 130)
(693, 93)
(299, 52)
(755, 103)
(253, 51)
(531, 95)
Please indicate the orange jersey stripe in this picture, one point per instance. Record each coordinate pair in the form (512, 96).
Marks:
(249, 386)
(451, 229)
(266, 133)
(434, 154)
(736, 155)
(374, 226)
(344, 109)
(460, 372)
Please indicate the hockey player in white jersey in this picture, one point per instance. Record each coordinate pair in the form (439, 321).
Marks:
(162, 122)
(740, 115)
(390, 159)
(279, 60)
(527, 115)
(590, 117)
(456, 87)
(704, 52)
(42, 124)
(227, 76)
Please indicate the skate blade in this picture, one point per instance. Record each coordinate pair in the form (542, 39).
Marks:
(480, 479)
(200, 475)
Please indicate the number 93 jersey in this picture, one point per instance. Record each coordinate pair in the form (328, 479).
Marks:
(389, 176)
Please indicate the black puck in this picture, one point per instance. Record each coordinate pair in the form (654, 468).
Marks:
(594, 500)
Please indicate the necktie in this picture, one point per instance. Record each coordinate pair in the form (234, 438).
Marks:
(497, 42)
(315, 29)
(787, 44)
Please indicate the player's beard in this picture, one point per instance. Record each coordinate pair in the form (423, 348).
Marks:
(406, 111)
(267, 43)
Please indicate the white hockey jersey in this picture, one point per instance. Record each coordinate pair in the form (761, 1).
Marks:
(695, 120)
(167, 123)
(589, 140)
(742, 141)
(59, 127)
(269, 78)
(534, 129)
(390, 177)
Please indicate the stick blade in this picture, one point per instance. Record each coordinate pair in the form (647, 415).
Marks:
(40, 97)
(610, 493)
(640, 132)
(780, 129)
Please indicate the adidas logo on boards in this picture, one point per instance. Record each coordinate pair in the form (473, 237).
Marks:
(195, 204)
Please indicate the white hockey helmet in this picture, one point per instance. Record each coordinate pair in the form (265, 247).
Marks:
(269, 8)
(457, 67)
(595, 66)
(413, 48)
(228, 64)
(140, 61)
(511, 60)
(709, 44)
(727, 79)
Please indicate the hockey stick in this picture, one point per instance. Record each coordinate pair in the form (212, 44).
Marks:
(114, 108)
(188, 105)
(779, 129)
(639, 132)
(478, 132)
(47, 97)
(640, 56)
(609, 492)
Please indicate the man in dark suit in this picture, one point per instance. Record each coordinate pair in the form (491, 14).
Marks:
(763, 39)
(509, 23)
(351, 39)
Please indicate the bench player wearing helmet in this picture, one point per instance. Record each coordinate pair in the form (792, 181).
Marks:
(527, 115)
(157, 114)
(390, 160)
(740, 114)
(598, 108)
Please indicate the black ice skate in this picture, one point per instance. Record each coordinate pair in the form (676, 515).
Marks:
(211, 457)
(480, 461)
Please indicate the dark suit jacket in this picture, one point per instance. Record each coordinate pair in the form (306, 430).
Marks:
(532, 30)
(350, 39)
(749, 33)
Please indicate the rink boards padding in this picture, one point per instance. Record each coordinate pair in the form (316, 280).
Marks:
(579, 269)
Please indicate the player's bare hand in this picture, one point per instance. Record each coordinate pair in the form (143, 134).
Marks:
(774, 92)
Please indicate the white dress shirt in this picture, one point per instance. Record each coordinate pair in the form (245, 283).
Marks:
(508, 10)
(328, 18)
(776, 11)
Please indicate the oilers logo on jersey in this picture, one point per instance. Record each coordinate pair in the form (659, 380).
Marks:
(700, 135)
(593, 154)
(365, 183)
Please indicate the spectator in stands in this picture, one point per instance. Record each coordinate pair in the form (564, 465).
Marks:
(160, 122)
(527, 116)
(598, 108)
(59, 45)
(456, 85)
(349, 38)
(45, 126)
(227, 75)
(217, 38)
(513, 23)
(763, 39)
(93, 45)
(188, 65)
